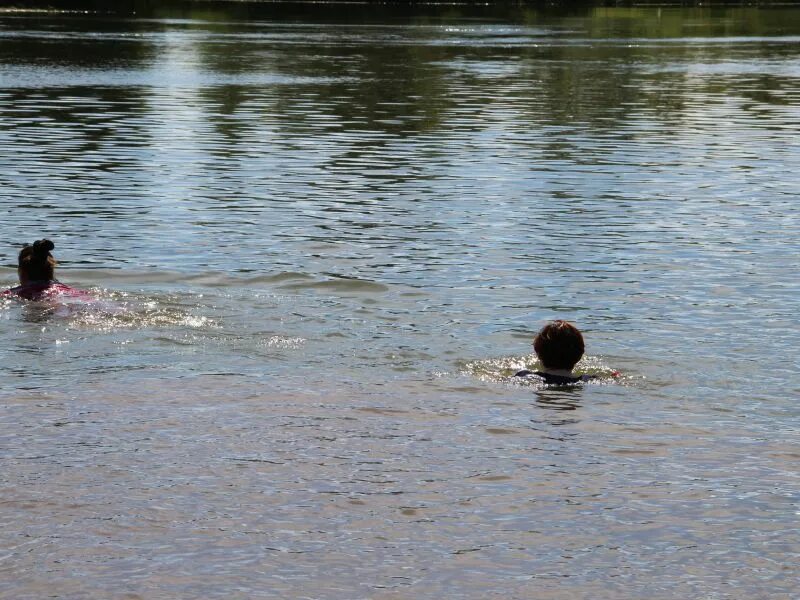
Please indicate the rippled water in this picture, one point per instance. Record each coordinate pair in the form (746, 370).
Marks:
(320, 246)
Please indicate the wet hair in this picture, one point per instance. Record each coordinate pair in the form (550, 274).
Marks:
(559, 345)
(36, 261)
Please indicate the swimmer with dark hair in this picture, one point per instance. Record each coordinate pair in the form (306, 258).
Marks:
(558, 346)
(36, 270)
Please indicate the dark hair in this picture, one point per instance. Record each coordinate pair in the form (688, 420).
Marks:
(559, 345)
(36, 261)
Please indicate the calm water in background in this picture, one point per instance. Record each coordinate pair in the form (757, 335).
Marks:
(322, 244)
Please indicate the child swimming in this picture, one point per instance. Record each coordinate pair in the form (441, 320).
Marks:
(558, 346)
(36, 271)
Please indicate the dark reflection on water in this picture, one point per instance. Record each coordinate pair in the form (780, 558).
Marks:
(566, 398)
(321, 246)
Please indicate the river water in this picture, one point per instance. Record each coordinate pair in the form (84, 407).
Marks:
(321, 245)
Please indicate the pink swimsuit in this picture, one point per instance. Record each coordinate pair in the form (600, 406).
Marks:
(43, 290)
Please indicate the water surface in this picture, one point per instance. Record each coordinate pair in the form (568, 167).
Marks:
(321, 245)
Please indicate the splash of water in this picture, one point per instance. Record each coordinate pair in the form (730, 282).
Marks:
(117, 310)
(502, 369)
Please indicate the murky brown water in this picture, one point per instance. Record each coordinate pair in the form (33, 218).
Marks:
(321, 247)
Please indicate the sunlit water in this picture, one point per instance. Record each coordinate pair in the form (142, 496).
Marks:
(319, 251)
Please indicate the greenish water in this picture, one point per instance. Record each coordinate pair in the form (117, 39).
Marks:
(323, 238)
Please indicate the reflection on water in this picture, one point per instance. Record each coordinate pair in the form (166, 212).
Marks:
(321, 244)
(565, 398)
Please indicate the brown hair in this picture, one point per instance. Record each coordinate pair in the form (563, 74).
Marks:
(36, 262)
(559, 345)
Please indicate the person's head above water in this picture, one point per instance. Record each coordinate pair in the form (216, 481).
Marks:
(36, 263)
(559, 346)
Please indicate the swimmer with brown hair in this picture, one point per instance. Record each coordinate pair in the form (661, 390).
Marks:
(36, 271)
(558, 346)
